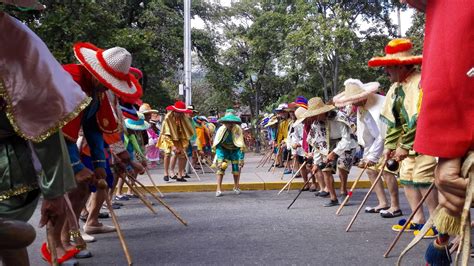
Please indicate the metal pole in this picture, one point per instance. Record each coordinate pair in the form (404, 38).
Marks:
(187, 51)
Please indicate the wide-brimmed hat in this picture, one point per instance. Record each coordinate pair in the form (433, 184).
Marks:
(282, 107)
(301, 101)
(139, 124)
(128, 110)
(137, 72)
(355, 91)
(398, 52)
(272, 121)
(230, 117)
(292, 107)
(299, 113)
(179, 107)
(27, 4)
(316, 107)
(146, 109)
(111, 67)
(191, 107)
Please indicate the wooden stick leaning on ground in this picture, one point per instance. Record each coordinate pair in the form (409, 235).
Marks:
(264, 158)
(153, 182)
(103, 184)
(51, 244)
(270, 154)
(163, 203)
(420, 204)
(140, 196)
(276, 158)
(366, 196)
(190, 164)
(205, 163)
(293, 177)
(200, 163)
(287, 162)
(299, 193)
(349, 195)
(293, 167)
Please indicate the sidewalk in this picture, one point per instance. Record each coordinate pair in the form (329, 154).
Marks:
(252, 178)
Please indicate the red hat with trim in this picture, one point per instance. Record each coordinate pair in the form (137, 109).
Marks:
(111, 67)
(179, 107)
(398, 52)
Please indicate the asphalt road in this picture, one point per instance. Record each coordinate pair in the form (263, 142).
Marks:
(252, 228)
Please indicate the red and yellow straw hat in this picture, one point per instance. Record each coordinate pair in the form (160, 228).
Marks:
(398, 52)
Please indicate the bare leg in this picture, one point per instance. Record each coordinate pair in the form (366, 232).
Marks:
(173, 164)
(329, 180)
(96, 201)
(167, 164)
(432, 199)
(392, 185)
(379, 190)
(343, 177)
(236, 181)
(413, 196)
(181, 166)
(320, 178)
(219, 182)
(120, 184)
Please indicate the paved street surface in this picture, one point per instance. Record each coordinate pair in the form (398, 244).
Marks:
(251, 178)
(253, 228)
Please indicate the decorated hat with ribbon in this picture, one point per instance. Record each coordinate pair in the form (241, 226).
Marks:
(302, 102)
(111, 67)
(139, 124)
(398, 52)
(316, 107)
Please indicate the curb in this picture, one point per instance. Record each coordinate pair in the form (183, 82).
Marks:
(273, 185)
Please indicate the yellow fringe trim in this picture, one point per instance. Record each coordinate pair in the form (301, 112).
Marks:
(17, 191)
(48, 132)
(447, 224)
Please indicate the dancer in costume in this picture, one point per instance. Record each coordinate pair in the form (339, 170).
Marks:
(370, 135)
(281, 134)
(229, 146)
(295, 142)
(334, 148)
(400, 113)
(446, 119)
(176, 132)
(152, 152)
(37, 99)
(99, 70)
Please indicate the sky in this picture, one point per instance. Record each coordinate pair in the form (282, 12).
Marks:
(405, 18)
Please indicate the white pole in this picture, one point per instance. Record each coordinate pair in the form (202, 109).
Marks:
(187, 50)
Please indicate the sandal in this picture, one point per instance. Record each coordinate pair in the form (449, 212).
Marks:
(68, 256)
(323, 194)
(181, 179)
(166, 178)
(375, 210)
(388, 214)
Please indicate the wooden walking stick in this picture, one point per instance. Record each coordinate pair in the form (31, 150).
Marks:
(153, 182)
(276, 158)
(192, 167)
(102, 183)
(264, 158)
(367, 196)
(299, 193)
(164, 204)
(140, 196)
(287, 162)
(293, 177)
(420, 204)
(349, 195)
(51, 244)
(269, 158)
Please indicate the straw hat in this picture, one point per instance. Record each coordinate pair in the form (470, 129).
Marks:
(111, 67)
(139, 124)
(316, 107)
(146, 109)
(191, 107)
(355, 91)
(299, 113)
(179, 107)
(28, 4)
(282, 107)
(272, 121)
(398, 53)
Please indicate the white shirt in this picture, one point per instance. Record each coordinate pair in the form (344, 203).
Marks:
(296, 137)
(339, 130)
(369, 135)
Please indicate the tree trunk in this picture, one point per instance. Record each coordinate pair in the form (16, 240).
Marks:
(335, 78)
